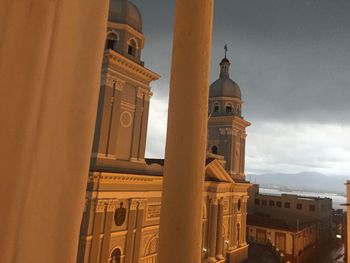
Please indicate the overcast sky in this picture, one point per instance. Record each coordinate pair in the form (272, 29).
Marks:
(291, 59)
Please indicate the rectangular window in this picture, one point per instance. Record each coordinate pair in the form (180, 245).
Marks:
(271, 203)
(312, 207)
(299, 206)
(279, 204)
(286, 205)
(264, 202)
(257, 201)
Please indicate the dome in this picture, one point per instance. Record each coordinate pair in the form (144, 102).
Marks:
(125, 12)
(224, 86)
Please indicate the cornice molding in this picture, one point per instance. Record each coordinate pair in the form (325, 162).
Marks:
(129, 65)
(122, 178)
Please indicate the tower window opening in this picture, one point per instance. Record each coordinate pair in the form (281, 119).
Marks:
(214, 150)
(228, 108)
(111, 41)
(216, 107)
(132, 48)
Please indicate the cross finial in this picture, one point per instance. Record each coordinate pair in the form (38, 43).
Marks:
(225, 48)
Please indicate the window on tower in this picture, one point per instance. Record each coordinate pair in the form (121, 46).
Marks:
(132, 48)
(216, 107)
(111, 41)
(228, 108)
(214, 149)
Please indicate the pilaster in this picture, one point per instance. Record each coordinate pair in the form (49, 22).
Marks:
(100, 206)
(137, 129)
(138, 235)
(144, 123)
(107, 230)
(115, 123)
(130, 234)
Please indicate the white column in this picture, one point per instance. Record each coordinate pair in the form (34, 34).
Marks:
(181, 212)
(50, 59)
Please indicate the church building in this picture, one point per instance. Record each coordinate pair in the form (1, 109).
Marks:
(123, 198)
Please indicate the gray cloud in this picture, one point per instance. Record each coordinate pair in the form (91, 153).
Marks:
(291, 59)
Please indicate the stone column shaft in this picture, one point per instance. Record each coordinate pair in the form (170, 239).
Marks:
(49, 92)
(181, 211)
(219, 240)
(212, 229)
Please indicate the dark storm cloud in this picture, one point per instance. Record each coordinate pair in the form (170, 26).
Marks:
(290, 57)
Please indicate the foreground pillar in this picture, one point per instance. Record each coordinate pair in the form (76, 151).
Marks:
(50, 60)
(180, 227)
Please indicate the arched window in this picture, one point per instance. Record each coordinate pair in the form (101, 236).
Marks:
(239, 204)
(132, 47)
(152, 246)
(216, 107)
(111, 41)
(214, 149)
(229, 108)
(115, 256)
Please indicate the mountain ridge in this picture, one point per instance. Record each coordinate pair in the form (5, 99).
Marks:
(305, 181)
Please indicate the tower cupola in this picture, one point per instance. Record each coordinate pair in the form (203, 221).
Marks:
(225, 94)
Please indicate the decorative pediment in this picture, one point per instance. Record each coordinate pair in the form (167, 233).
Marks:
(214, 171)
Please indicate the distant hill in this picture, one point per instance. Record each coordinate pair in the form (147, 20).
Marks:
(313, 182)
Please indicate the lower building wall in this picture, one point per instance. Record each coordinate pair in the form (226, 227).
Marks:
(238, 255)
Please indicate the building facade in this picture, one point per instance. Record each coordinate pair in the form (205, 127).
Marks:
(308, 221)
(297, 243)
(123, 199)
(293, 209)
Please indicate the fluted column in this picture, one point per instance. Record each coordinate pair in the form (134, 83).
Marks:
(213, 229)
(180, 225)
(49, 79)
(219, 241)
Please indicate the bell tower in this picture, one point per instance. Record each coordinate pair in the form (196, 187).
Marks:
(226, 126)
(125, 92)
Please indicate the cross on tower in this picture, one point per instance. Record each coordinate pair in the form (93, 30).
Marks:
(225, 48)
